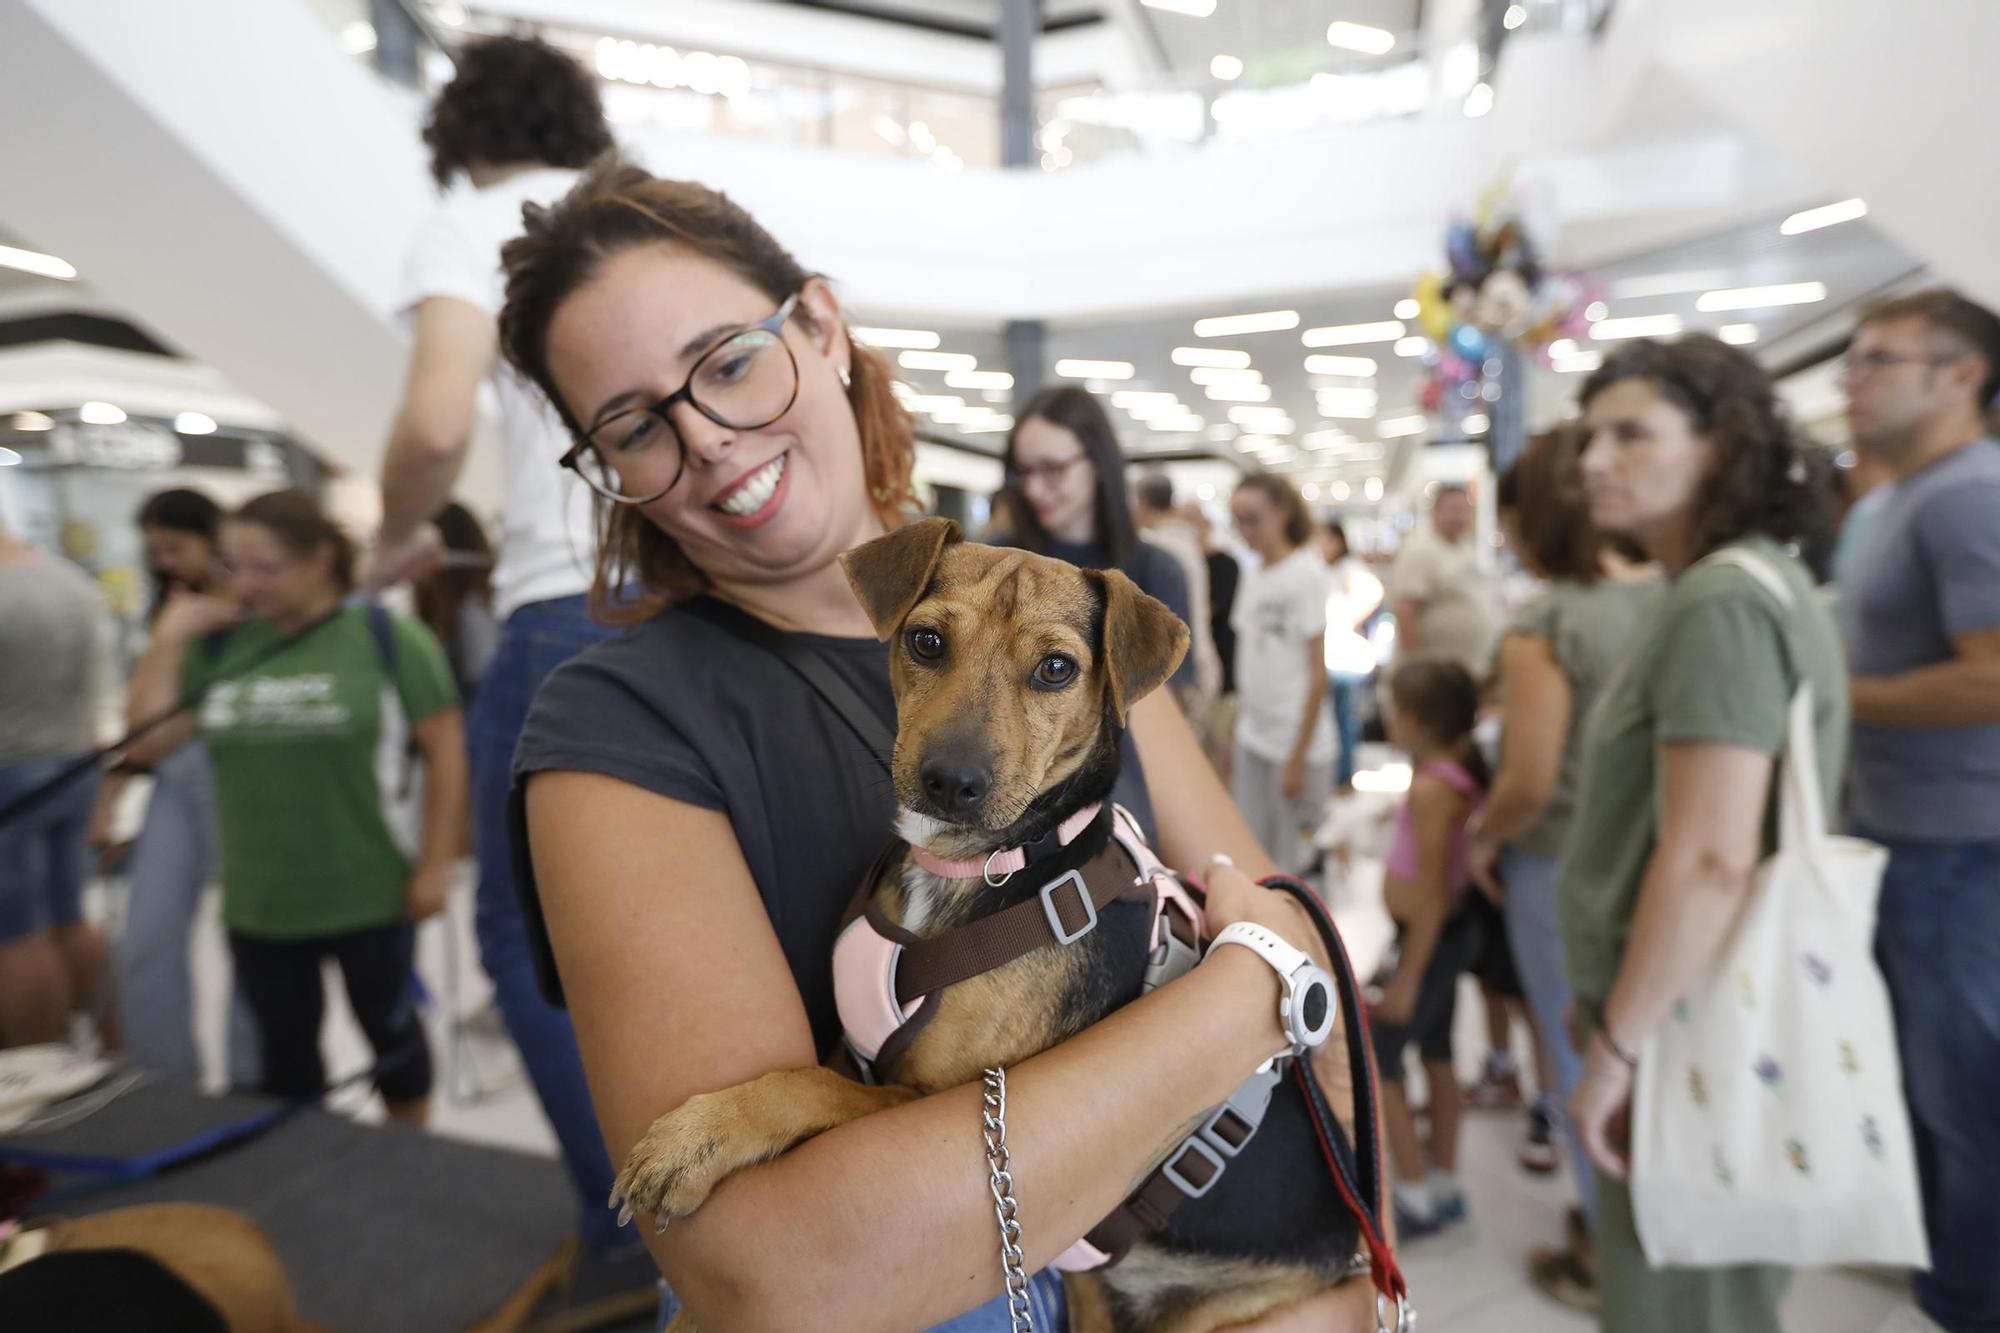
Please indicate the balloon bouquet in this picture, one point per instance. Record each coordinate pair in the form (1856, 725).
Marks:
(1496, 304)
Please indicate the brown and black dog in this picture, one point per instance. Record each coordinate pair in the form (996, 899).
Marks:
(1013, 675)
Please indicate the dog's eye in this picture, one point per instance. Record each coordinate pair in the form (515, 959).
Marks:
(1055, 671)
(926, 645)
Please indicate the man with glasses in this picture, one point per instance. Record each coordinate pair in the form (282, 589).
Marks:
(1921, 602)
(492, 158)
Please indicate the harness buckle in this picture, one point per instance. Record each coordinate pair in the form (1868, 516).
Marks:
(1172, 1169)
(1064, 935)
(1230, 1127)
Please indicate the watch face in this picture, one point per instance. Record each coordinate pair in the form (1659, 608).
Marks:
(1313, 1006)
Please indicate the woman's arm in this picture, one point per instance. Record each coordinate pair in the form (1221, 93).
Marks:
(1294, 775)
(156, 678)
(440, 739)
(1437, 811)
(677, 985)
(1535, 712)
(1710, 840)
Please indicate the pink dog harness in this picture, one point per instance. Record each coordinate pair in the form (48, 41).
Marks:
(886, 981)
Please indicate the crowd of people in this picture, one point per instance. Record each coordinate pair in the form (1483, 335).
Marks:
(596, 716)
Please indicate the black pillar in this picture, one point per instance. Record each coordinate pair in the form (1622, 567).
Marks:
(1020, 21)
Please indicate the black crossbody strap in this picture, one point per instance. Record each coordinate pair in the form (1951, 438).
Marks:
(824, 680)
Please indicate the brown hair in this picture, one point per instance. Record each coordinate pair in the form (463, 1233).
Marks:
(302, 527)
(1966, 322)
(441, 595)
(1286, 499)
(1544, 490)
(1442, 697)
(1765, 481)
(615, 207)
(1077, 411)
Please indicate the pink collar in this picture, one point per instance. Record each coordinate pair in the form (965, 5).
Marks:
(1002, 863)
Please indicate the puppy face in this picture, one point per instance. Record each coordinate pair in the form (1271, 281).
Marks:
(1009, 668)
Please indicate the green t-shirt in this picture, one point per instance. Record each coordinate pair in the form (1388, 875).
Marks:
(309, 751)
(1589, 629)
(1718, 659)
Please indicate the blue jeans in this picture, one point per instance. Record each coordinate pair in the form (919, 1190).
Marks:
(1045, 1302)
(536, 640)
(44, 853)
(1345, 691)
(1536, 939)
(1938, 939)
(172, 861)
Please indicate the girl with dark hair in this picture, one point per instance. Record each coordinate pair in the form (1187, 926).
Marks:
(1433, 706)
(456, 602)
(1557, 657)
(308, 706)
(1069, 499)
(1688, 453)
(697, 817)
(1281, 771)
(173, 859)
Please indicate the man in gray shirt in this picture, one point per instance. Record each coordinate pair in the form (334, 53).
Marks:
(1921, 600)
(49, 956)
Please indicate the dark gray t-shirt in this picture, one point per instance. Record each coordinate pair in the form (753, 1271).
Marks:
(684, 708)
(48, 659)
(1926, 567)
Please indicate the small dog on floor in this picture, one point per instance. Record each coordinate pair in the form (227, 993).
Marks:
(1013, 675)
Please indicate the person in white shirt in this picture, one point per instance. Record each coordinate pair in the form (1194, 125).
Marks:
(1160, 523)
(1353, 597)
(1444, 602)
(1283, 766)
(511, 130)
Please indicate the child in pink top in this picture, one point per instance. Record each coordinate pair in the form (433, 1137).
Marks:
(1433, 705)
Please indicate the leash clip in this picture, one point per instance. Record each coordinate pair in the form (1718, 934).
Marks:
(1406, 1315)
(986, 872)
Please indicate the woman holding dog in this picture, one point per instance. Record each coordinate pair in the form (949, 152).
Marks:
(1688, 453)
(697, 819)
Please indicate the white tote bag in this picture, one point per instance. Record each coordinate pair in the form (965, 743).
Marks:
(1768, 1120)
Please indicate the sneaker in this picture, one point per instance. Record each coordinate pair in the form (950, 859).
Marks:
(1494, 1091)
(1417, 1213)
(1538, 1149)
(1449, 1209)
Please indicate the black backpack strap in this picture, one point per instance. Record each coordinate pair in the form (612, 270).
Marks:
(383, 630)
(824, 680)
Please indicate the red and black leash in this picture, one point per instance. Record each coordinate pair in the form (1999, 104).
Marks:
(1356, 1164)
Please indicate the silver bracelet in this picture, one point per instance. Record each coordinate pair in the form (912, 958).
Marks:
(1005, 1207)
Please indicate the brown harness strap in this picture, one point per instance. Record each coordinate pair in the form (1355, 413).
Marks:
(1063, 911)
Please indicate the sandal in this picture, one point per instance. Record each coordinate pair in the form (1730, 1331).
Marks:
(1563, 1277)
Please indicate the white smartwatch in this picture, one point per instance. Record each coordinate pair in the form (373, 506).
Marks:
(1307, 1010)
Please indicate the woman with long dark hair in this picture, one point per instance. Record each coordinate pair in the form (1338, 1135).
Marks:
(455, 602)
(1688, 452)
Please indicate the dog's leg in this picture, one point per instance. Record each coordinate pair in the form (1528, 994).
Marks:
(710, 1137)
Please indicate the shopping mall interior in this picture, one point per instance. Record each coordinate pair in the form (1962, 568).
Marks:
(1344, 307)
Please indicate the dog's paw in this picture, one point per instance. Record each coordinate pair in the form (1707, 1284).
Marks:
(685, 1155)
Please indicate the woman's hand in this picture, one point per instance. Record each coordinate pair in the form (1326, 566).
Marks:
(428, 891)
(1233, 896)
(1292, 782)
(191, 615)
(1483, 860)
(1602, 1109)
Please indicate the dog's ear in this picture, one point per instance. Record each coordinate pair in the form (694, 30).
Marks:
(1143, 641)
(890, 573)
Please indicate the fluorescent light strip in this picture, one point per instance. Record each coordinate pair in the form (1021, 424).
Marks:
(1347, 335)
(1636, 326)
(920, 360)
(1340, 365)
(1194, 9)
(1578, 362)
(979, 379)
(1218, 358)
(1826, 215)
(1476, 424)
(1264, 321)
(1407, 308)
(1224, 378)
(32, 261)
(1413, 346)
(1737, 335)
(1136, 401)
(1073, 369)
(1759, 298)
(1396, 427)
(33, 421)
(101, 414)
(194, 423)
(922, 339)
(1247, 393)
(1360, 37)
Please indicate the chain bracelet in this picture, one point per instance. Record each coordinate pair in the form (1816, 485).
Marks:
(1005, 1208)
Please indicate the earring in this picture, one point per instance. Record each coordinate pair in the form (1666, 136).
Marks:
(846, 380)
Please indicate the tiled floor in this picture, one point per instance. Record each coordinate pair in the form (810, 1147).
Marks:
(1466, 1281)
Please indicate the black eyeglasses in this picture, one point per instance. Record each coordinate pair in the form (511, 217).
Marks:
(1853, 367)
(1023, 473)
(746, 381)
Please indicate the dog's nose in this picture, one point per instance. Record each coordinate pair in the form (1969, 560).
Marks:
(956, 784)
